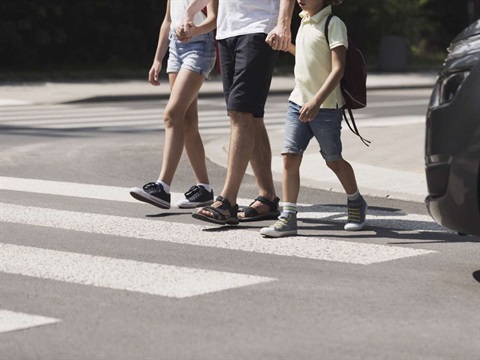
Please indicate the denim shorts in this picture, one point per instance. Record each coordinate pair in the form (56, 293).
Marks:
(197, 55)
(326, 127)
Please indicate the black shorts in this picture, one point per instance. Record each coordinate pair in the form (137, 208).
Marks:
(247, 64)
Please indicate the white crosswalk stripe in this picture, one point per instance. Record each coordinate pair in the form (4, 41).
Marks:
(120, 274)
(74, 116)
(12, 321)
(237, 239)
(121, 118)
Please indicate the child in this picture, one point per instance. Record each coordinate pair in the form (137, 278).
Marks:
(190, 61)
(315, 110)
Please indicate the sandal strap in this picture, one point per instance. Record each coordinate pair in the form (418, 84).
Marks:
(273, 205)
(219, 213)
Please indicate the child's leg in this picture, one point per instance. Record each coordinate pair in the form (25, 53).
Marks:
(345, 174)
(184, 89)
(297, 137)
(327, 130)
(291, 177)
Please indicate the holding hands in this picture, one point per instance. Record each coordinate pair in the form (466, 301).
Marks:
(185, 31)
(279, 38)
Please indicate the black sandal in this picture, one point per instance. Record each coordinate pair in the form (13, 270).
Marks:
(225, 214)
(252, 214)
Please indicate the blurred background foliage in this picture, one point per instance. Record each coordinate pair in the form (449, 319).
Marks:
(85, 39)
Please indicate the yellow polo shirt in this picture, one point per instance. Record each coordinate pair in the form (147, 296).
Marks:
(313, 61)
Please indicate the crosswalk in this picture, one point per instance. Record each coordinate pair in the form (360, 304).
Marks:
(167, 280)
(212, 115)
(147, 117)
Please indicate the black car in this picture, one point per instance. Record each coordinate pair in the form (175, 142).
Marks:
(452, 146)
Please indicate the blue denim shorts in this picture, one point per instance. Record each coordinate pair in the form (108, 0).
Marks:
(326, 127)
(197, 55)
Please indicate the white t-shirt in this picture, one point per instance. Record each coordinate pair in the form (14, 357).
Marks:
(241, 17)
(177, 10)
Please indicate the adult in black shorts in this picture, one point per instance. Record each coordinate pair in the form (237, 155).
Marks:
(247, 63)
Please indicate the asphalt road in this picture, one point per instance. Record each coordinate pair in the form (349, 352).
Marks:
(88, 273)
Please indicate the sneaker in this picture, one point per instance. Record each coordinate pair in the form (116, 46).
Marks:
(152, 193)
(286, 225)
(357, 212)
(197, 196)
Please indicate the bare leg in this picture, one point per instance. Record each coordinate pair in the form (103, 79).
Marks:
(242, 143)
(291, 177)
(194, 145)
(261, 162)
(345, 174)
(184, 89)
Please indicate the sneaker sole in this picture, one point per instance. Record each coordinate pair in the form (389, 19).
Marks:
(147, 198)
(195, 205)
(356, 227)
(277, 234)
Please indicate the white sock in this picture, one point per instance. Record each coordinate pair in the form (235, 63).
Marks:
(353, 196)
(166, 187)
(205, 186)
(289, 207)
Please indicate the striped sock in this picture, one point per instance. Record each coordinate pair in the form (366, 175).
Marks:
(354, 196)
(289, 207)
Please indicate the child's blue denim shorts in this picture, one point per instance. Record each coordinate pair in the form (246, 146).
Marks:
(197, 55)
(326, 127)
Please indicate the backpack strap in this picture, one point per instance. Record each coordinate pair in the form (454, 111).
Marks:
(327, 23)
(353, 126)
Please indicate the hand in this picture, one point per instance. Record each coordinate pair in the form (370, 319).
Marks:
(154, 72)
(309, 111)
(183, 34)
(185, 26)
(279, 38)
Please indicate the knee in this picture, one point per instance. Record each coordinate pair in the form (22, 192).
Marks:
(334, 165)
(291, 162)
(171, 119)
(242, 119)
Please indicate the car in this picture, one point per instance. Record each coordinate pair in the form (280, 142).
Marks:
(452, 143)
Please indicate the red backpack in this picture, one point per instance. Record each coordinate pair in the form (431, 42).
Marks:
(353, 83)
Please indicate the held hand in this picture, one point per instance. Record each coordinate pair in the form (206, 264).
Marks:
(183, 34)
(153, 73)
(185, 26)
(309, 111)
(279, 38)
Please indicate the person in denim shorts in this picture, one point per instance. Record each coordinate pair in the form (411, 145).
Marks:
(189, 63)
(314, 110)
(247, 62)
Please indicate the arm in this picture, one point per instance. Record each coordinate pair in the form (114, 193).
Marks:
(310, 109)
(291, 49)
(162, 48)
(206, 26)
(280, 37)
(194, 7)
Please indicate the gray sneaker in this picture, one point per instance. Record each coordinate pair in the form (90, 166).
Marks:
(286, 225)
(357, 212)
